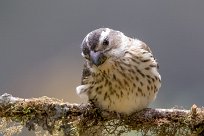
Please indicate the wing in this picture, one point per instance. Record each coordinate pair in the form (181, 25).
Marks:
(85, 74)
(143, 52)
(145, 47)
(83, 88)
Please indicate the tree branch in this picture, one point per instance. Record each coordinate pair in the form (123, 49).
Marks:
(58, 117)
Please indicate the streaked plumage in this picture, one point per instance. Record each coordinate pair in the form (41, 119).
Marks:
(120, 73)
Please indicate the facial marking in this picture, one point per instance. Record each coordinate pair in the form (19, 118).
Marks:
(104, 34)
(87, 37)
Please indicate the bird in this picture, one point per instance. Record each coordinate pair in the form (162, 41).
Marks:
(120, 73)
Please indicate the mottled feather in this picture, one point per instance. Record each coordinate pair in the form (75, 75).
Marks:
(120, 73)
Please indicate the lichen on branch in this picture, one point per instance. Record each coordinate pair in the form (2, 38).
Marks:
(63, 118)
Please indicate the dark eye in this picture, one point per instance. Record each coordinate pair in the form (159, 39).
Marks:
(106, 41)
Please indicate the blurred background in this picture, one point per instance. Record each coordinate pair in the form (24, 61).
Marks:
(40, 44)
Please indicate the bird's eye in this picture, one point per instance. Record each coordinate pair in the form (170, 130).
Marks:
(106, 41)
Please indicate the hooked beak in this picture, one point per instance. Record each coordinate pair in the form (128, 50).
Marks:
(97, 58)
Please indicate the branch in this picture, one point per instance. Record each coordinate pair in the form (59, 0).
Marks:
(58, 117)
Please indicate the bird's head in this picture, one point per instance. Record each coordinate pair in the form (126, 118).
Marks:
(102, 44)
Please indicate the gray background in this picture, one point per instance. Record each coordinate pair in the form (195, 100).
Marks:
(40, 44)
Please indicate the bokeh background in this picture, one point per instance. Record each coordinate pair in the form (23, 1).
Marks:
(40, 44)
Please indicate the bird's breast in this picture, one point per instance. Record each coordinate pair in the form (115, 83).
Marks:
(124, 88)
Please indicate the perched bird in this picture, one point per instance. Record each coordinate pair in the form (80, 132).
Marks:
(120, 73)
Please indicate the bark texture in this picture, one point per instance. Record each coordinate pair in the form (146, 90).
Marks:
(63, 118)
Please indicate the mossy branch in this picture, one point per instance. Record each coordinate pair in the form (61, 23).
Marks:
(62, 118)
